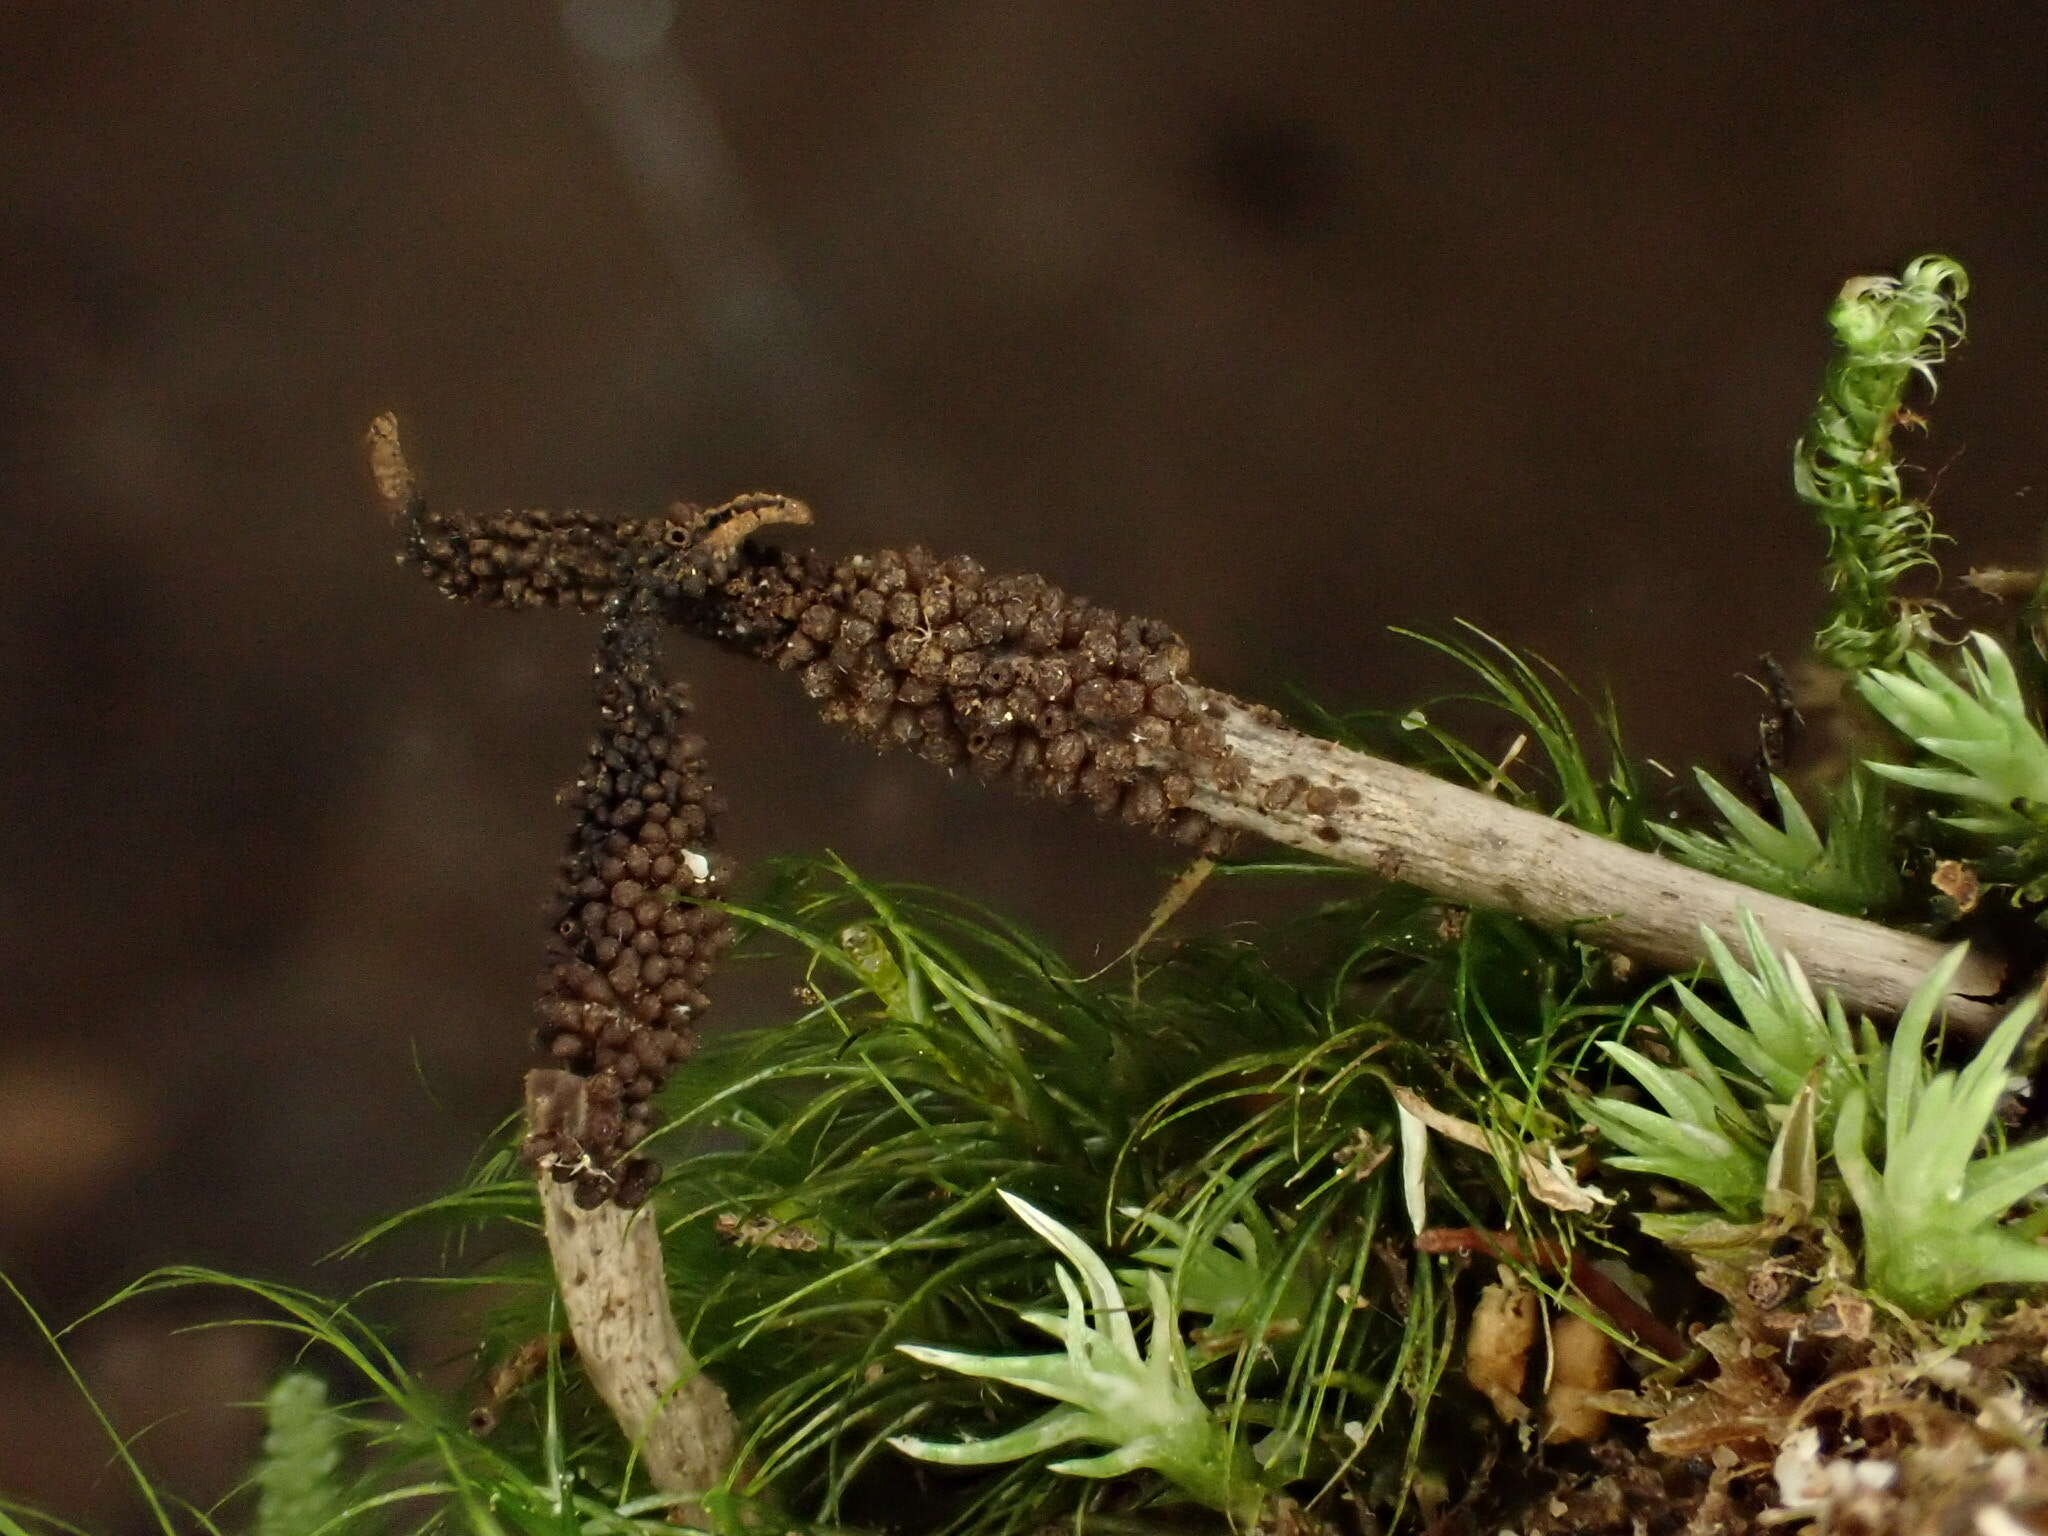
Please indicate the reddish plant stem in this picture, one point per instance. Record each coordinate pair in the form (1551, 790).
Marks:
(1621, 1309)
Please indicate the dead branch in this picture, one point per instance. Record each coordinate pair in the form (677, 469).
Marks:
(607, 1261)
(1474, 850)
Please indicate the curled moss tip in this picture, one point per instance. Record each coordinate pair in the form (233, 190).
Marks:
(1889, 331)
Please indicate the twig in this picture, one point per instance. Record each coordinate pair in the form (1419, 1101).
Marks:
(608, 1262)
(1478, 851)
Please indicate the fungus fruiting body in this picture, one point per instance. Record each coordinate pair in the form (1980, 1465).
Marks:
(1008, 677)
(622, 987)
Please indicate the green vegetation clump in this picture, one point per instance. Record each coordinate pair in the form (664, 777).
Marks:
(1297, 1203)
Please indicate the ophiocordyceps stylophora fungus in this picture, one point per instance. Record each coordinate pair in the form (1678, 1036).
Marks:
(1008, 677)
(623, 985)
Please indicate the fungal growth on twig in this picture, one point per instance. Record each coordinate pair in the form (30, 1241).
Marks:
(622, 988)
(1020, 683)
(1007, 676)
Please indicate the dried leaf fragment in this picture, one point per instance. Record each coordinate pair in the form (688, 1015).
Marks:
(1583, 1360)
(389, 471)
(1542, 1170)
(1959, 883)
(1503, 1332)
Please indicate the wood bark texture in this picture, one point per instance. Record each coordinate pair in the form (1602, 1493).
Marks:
(1474, 850)
(608, 1264)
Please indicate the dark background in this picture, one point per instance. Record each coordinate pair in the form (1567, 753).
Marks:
(1284, 321)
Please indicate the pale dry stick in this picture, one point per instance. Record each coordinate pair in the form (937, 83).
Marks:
(1475, 850)
(608, 1264)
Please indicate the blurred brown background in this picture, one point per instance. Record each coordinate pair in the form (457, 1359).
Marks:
(1285, 321)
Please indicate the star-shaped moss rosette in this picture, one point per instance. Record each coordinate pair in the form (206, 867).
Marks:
(1933, 1216)
(1719, 1123)
(1230, 1278)
(1979, 726)
(1934, 1226)
(1142, 1405)
(1849, 867)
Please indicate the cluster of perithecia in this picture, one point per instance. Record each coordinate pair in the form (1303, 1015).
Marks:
(622, 988)
(1007, 676)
